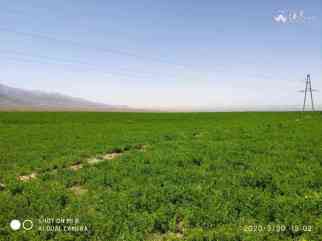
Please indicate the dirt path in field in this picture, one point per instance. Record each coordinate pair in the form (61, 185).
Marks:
(76, 166)
(114, 154)
(95, 160)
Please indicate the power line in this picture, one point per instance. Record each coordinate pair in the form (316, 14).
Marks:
(86, 64)
(121, 52)
(119, 75)
(112, 51)
(109, 50)
(97, 49)
(103, 50)
(72, 62)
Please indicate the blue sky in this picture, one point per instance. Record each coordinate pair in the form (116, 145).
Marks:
(171, 54)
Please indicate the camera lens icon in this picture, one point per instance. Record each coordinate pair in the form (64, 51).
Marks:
(27, 224)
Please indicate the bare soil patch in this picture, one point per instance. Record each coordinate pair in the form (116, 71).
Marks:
(94, 161)
(78, 190)
(26, 178)
(76, 167)
(141, 147)
(111, 156)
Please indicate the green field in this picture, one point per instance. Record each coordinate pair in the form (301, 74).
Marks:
(165, 176)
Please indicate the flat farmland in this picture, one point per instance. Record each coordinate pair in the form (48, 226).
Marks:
(161, 176)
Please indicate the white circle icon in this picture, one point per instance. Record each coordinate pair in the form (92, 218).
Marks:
(15, 224)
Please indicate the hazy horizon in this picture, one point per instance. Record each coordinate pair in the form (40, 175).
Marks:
(168, 55)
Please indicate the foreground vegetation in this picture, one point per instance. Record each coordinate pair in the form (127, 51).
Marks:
(174, 176)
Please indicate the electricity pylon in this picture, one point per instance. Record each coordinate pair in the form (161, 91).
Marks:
(308, 92)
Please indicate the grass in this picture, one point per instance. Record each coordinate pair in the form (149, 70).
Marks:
(168, 176)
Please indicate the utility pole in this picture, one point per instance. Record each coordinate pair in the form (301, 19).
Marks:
(308, 93)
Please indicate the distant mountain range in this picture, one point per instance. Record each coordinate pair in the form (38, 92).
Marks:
(19, 99)
(15, 99)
